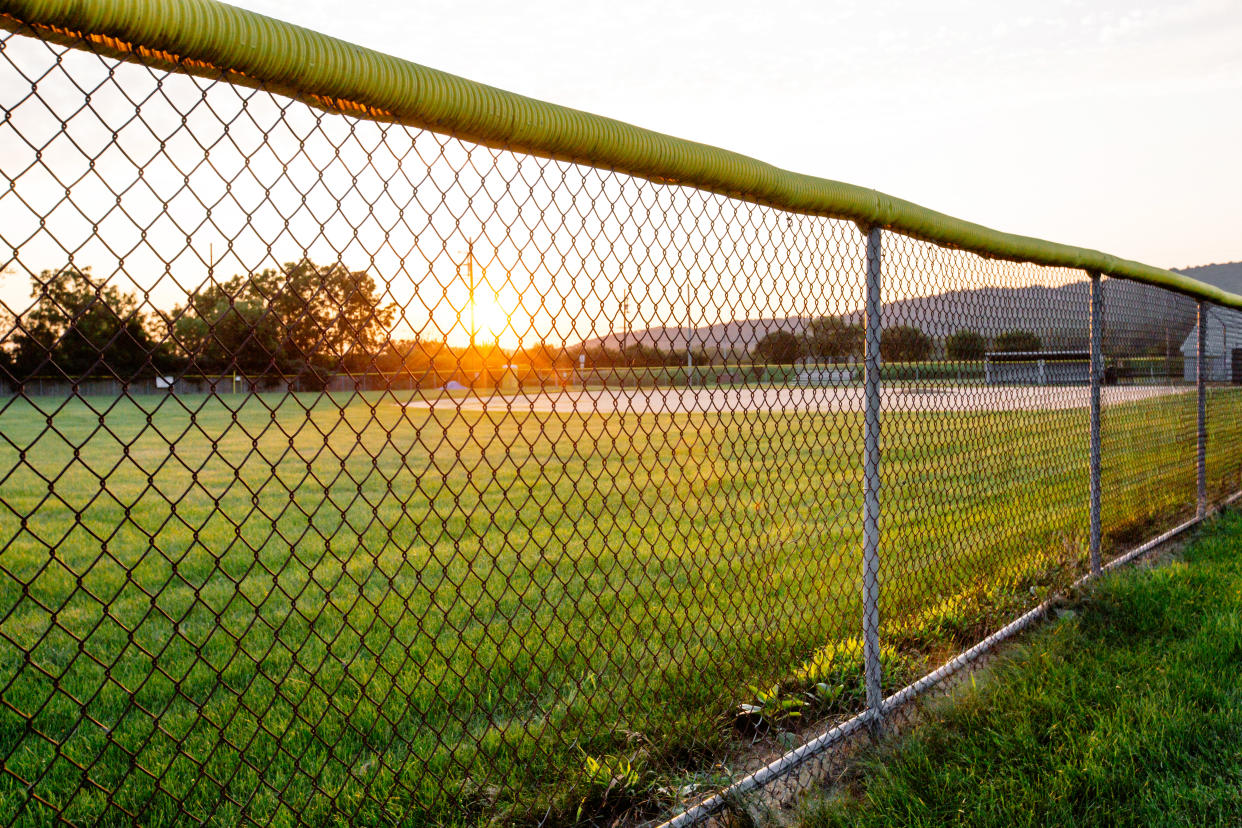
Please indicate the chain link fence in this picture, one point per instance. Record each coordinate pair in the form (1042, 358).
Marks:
(352, 473)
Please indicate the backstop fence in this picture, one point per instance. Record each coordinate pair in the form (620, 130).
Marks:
(671, 470)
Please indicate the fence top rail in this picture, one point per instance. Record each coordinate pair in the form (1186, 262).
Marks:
(210, 38)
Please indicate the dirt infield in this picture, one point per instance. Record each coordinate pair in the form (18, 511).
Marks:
(744, 398)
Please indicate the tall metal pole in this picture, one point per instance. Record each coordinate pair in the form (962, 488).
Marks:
(470, 277)
(689, 338)
(625, 327)
(871, 487)
(1201, 382)
(474, 354)
(1097, 371)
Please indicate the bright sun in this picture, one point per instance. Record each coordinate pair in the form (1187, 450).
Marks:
(495, 321)
(490, 318)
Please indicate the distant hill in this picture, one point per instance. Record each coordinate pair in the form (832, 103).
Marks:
(1138, 318)
(1226, 276)
(734, 335)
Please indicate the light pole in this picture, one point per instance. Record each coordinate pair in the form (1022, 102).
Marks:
(625, 334)
(689, 338)
(473, 330)
(625, 319)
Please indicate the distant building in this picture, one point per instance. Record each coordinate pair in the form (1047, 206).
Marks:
(1223, 356)
(1037, 367)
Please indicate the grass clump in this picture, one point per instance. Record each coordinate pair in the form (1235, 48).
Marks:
(1125, 711)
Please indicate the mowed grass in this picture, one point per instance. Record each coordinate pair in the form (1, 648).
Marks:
(1126, 711)
(315, 609)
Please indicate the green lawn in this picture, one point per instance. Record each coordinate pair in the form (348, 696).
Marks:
(317, 609)
(1126, 711)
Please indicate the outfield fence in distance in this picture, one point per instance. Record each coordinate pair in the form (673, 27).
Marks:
(384, 449)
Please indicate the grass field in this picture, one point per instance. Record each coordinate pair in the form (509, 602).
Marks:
(1125, 712)
(339, 609)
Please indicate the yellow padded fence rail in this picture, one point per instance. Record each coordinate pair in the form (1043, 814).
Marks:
(209, 38)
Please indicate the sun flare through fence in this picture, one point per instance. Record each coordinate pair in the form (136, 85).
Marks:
(367, 461)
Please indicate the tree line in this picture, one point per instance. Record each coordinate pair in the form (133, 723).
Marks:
(301, 321)
(833, 339)
(311, 322)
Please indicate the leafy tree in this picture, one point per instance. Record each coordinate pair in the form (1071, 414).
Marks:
(779, 348)
(545, 356)
(904, 343)
(1011, 341)
(302, 319)
(226, 327)
(597, 356)
(8, 348)
(830, 338)
(965, 344)
(647, 356)
(698, 356)
(81, 326)
(416, 356)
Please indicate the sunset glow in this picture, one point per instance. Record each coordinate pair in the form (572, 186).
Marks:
(492, 321)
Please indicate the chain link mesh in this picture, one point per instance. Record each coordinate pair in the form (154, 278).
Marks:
(350, 473)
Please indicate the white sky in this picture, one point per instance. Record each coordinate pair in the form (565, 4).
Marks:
(1091, 124)
(1109, 124)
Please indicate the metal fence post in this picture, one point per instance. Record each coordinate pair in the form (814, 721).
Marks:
(871, 487)
(1097, 371)
(1201, 383)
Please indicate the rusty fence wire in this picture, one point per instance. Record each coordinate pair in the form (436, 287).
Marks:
(351, 473)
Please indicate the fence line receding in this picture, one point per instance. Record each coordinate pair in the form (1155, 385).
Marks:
(376, 447)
